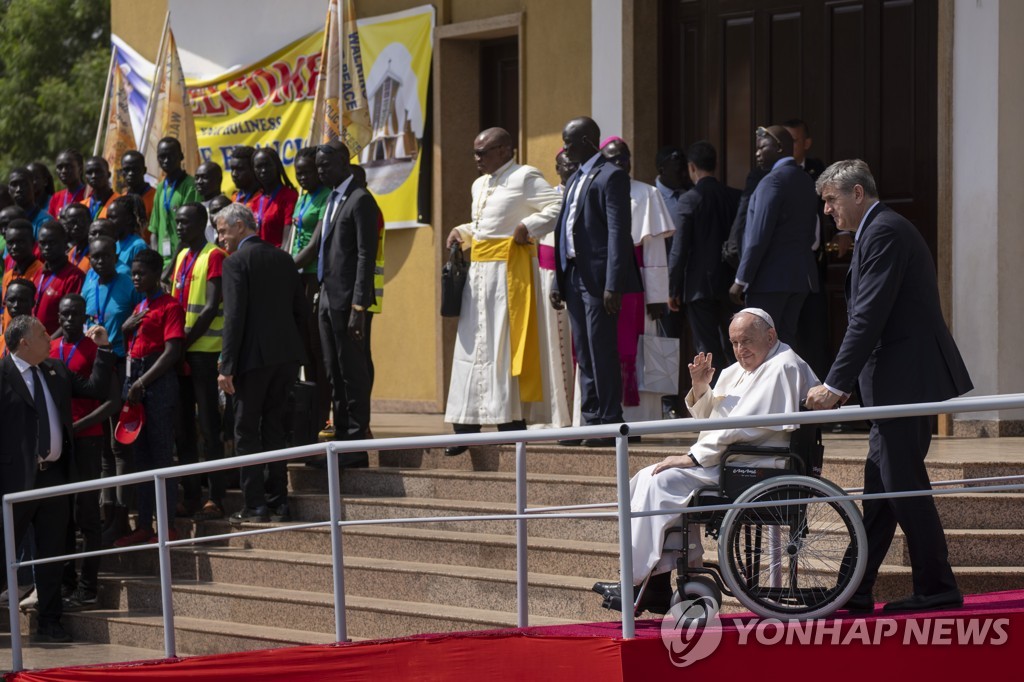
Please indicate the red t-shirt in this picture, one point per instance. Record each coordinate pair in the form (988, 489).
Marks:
(274, 211)
(181, 286)
(60, 200)
(50, 288)
(164, 321)
(79, 358)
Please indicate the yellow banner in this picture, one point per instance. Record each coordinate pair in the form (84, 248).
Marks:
(120, 137)
(272, 103)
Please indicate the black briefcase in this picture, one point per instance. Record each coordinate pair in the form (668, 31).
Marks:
(302, 410)
(453, 281)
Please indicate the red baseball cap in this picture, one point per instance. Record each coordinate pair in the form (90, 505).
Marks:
(130, 423)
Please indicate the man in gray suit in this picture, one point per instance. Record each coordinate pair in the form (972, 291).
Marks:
(777, 268)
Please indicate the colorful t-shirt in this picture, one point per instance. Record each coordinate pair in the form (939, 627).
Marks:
(128, 247)
(50, 288)
(10, 274)
(274, 211)
(97, 208)
(181, 283)
(80, 258)
(170, 196)
(79, 358)
(164, 321)
(308, 212)
(109, 305)
(60, 200)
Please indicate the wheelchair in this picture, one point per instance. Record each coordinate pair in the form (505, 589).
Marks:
(791, 561)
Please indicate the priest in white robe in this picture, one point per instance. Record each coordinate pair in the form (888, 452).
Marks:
(497, 359)
(767, 378)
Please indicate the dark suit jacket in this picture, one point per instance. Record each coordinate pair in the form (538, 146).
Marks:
(602, 232)
(733, 247)
(264, 309)
(897, 344)
(350, 251)
(18, 423)
(781, 220)
(696, 269)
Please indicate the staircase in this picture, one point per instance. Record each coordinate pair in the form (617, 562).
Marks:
(275, 589)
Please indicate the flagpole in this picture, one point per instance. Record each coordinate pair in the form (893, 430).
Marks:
(106, 100)
(146, 125)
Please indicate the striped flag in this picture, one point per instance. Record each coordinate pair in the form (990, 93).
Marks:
(169, 113)
(120, 137)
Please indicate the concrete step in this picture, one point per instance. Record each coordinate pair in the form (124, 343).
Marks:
(269, 607)
(595, 560)
(493, 589)
(198, 634)
(894, 582)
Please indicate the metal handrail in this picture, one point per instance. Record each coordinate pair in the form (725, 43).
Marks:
(619, 431)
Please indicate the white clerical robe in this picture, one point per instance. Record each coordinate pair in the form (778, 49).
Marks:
(777, 386)
(482, 388)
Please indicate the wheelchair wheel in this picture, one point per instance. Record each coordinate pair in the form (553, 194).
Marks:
(793, 561)
(703, 592)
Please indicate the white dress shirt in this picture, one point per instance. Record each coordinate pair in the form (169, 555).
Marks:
(573, 199)
(56, 437)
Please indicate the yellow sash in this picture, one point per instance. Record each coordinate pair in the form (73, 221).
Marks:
(522, 310)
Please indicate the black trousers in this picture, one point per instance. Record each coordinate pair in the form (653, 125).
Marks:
(350, 369)
(784, 307)
(315, 369)
(198, 404)
(709, 325)
(85, 515)
(897, 449)
(260, 401)
(49, 519)
(595, 336)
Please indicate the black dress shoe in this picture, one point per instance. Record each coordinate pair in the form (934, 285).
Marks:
(51, 633)
(653, 600)
(247, 515)
(860, 603)
(281, 514)
(455, 450)
(571, 442)
(919, 602)
(598, 442)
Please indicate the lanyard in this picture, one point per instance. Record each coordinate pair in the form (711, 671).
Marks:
(138, 330)
(186, 274)
(101, 312)
(243, 198)
(263, 205)
(41, 290)
(72, 197)
(60, 350)
(169, 195)
(78, 253)
(94, 206)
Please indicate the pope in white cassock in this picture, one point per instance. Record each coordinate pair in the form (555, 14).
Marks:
(767, 378)
(497, 364)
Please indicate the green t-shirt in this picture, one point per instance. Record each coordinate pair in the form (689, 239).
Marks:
(309, 209)
(169, 198)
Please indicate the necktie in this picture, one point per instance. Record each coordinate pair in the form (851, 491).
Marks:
(324, 231)
(42, 414)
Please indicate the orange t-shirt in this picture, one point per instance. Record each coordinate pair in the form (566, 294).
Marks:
(31, 273)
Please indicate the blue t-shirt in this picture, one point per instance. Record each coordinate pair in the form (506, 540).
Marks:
(109, 305)
(38, 219)
(128, 247)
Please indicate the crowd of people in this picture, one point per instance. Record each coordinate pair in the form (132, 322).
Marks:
(177, 323)
(743, 270)
(171, 321)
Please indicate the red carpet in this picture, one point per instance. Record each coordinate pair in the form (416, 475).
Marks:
(988, 633)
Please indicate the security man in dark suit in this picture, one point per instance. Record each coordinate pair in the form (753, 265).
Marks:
(777, 268)
(594, 265)
(37, 448)
(345, 268)
(264, 309)
(898, 350)
(698, 277)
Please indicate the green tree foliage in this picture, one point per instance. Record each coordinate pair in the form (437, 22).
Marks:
(53, 66)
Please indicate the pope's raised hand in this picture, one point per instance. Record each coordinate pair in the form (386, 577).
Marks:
(701, 373)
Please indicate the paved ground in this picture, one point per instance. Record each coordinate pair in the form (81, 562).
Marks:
(851, 443)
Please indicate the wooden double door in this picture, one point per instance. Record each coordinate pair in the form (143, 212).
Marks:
(862, 73)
